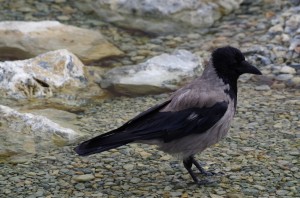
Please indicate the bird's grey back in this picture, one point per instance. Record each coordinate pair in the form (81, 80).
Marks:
(204, 91)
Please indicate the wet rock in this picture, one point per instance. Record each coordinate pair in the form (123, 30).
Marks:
(157, 75)
(21, 40)
(42, 75)
(29, 133)
(163, 16)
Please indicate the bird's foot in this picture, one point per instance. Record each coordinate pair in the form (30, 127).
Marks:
(203, 171)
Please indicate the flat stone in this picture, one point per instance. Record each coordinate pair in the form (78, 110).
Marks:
(159, 74)
(29, 39)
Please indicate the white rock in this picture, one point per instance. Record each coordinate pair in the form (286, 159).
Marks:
(159, 74)
(29, 133)
(40, 76)
(23, 40)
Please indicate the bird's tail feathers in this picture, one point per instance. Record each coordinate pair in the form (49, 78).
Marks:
(101, 143)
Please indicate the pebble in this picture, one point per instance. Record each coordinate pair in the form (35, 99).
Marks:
(262, 88)
(281, 192)
(215, 196)
(63, 18)
(259, 187)
(295, 81)
(234, 195)
(79, 186)
(81, 178)
(251, 192)
(135, 180)
(128, 167)
(287, 70)
(284, 77)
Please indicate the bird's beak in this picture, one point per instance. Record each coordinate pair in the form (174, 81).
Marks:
(250, 69)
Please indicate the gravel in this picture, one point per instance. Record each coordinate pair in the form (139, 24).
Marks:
(258, 160)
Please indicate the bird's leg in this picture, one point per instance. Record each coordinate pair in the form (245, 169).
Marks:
(202, 170)
(188, 165)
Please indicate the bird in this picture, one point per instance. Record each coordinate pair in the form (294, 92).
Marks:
(193, 118)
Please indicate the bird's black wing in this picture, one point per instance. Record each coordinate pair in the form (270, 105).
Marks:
(169, 126)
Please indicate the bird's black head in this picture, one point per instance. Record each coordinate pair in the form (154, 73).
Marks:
(230, 63)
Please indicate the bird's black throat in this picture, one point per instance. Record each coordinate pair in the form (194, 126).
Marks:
(232, 82)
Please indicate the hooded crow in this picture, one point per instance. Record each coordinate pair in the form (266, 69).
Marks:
(195, 117)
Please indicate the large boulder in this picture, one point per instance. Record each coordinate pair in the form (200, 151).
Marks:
(22, 133)
(21, 40)
(159, 74)
(42, 75)
(163, 16)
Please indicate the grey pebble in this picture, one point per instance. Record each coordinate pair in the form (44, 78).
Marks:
(262, 88)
